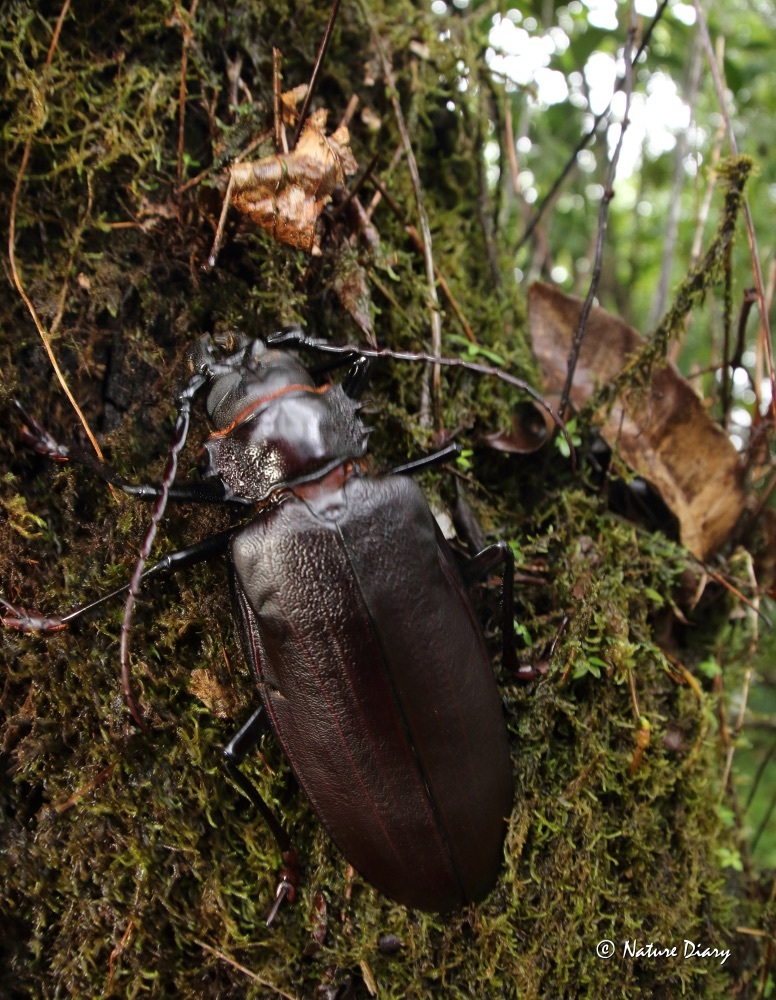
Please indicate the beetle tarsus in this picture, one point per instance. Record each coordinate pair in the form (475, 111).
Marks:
(30, 621)
(288, 877)
(37, 438)
(284, 889)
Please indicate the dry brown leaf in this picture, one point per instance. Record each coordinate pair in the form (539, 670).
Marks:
(286, 193)
(663, 432)
(528, 433)
(352, 288)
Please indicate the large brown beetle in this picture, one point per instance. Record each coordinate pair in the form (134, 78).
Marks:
(371, 667)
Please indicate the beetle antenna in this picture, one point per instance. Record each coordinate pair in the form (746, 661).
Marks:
(296, 337)
(182, 424)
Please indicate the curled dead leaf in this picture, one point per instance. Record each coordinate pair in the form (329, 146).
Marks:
(286, 193)
(663, 431)
(529, 431)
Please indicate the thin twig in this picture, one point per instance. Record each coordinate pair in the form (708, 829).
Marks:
(587, 137)
(186, 22)
(317, 68)
(398, 153)
(276, 114)
(487, 216)
(116, 954)
(675, 347)
(415, 237)
(101, 777)
(731, 360)
(465, 325)
(660, 299)
(12, 242)
(511, 147)
(354, 190)
(425, 230)
(219, 236)
(350, 110)
(603, 217)
(749, 299)
(246, 972)
(765, 326)
(253, 144)
(754, 606)
(703, 214)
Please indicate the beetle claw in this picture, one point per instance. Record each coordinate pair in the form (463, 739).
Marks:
(29, 621)
(284, 889)
(37, 438)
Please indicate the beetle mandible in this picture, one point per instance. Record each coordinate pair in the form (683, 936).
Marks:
(355, 620)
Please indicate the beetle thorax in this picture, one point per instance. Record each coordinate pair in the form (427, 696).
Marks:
(295, 433)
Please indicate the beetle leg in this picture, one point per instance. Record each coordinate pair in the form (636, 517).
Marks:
(188, 491)
(32, 621)
(477, 566)
(37, 438)
(235, 753)
(419, 464)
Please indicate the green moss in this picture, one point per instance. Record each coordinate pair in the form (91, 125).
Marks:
(713, 269)
(130, 866)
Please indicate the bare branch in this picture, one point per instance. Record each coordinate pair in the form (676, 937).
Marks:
(603, 217)
(425, 230)
(316, 69)
(719, 86)
(587, 137)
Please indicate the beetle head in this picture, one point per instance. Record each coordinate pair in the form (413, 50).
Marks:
(273, 427)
